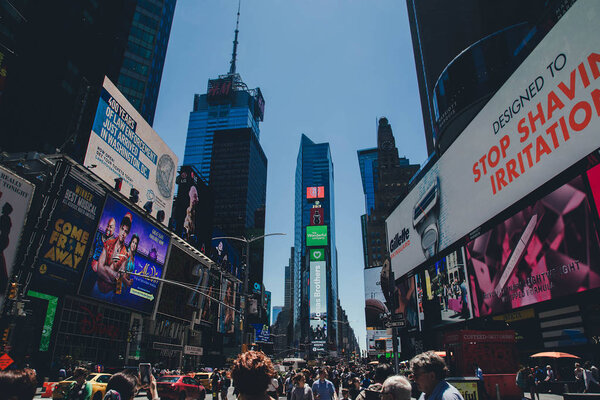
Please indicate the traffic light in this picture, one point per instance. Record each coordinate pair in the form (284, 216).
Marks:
(13, 291)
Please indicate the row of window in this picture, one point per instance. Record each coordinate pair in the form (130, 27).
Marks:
(139, 50)
(146, 37)
(150, 6)
(145, 20)
(135, 66)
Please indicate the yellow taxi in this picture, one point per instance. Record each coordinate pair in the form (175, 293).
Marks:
(98, 381)
(205, 378)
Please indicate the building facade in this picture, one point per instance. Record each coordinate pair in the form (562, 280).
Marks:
(314, 249)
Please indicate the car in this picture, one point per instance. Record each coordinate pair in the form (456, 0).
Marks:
(98, 381)
(205, 379)
(179, 387)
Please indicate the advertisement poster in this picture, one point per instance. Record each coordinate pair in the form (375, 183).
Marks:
(125, 242)
(318, 303)
(15, 199)
(376, 335)
(227, 308)
(545, 118)
(316, 235)
(406, 300)
(73, 223)
(208, 305)
(443, 292)
(123, 145)
(548, 250)
(375, 308)
(225, 255)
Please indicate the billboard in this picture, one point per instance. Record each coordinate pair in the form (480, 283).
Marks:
(374, 336)
(316, 235)
(316, 216)
(318, 303)
(227, 306)
(375, 307)
(123, 145)
(315, 192)
(547, 250)
(72, 226)
(443, 295)
(15, 199)
(133, 245)
(540, 122)
(225, 254)
(209, 307)
(317, 254)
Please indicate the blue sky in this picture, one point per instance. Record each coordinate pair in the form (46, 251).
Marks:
(328, 69)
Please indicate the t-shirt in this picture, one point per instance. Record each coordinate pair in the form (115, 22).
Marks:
(302, 393)
(324, 389)
(443, 391)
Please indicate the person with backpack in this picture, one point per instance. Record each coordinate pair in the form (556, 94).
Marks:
(382, 372)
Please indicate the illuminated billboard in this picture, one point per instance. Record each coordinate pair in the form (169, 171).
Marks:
(539, 123)
(318, 303)
(15, 199)
(316, 235)
(375, 307)
(125, 243)
(547, 250)
(316, 216)
(123, 145)
(315, 192)
(317, 254)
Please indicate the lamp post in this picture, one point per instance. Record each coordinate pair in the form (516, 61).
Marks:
(247, 270)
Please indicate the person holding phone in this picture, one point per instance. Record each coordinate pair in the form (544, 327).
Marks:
(126, 384)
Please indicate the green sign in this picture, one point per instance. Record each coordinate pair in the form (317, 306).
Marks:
(49, 321)
(316, 235)
(317, 254)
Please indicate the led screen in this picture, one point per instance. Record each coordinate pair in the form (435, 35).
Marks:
(315, 192)
(318, 302)
(316, 235)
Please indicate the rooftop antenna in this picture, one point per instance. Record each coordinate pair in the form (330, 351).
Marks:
(235, 41)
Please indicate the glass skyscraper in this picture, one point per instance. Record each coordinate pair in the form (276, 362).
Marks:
(314, 168)
(367, 161)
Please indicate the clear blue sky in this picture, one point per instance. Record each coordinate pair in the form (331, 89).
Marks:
(328, 69)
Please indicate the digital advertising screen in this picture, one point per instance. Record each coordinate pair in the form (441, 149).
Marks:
(317, 216)
(65, 248)
(209, 307)
(227, 314)
(123, 145)
(124, 243)
(15, 199)
(539, 123)
(547, 250)
(375, 308)
(225, 254)
(316, 235)
(406, 301)
(315, 192)
(318, 302)
(443, 295)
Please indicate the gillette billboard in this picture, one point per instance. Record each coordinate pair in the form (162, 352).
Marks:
(544, 119)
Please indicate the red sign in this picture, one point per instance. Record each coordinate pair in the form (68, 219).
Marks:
(5, 361)
(219, 88)
(316, 216)
(93, 324)
(315, 192)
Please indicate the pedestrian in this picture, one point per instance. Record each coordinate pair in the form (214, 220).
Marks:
(382, 372)
(429, 372)
(225, 383)
(354, 387)
(301, 390)
(17, 384)
(273, 388)
(251, 372)
(214, 384)
(591, 384)
(550, 377)
(521, 380)
(289, 385)
(579, 383)
(80, 389)
(126, 384)
(322, 388)
(531, 384)
(396, 387)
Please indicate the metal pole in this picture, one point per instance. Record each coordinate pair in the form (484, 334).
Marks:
(393, 301)
(247, 303)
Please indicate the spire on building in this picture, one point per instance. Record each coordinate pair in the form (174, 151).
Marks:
(235, 41)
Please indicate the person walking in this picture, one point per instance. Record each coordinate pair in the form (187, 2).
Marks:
(225, 383)
(532, 384)
(80, 389)
(591, 384)
(429, 373)
(214, 384)
(272, 388)
(251, 373)
(301, 390)
(579, 383)
(322, 388)
(396, 387)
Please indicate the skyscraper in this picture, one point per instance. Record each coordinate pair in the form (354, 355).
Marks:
(228, 104)
(315, 250)
(141, 71)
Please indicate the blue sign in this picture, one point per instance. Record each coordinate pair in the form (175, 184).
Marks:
(262, 333)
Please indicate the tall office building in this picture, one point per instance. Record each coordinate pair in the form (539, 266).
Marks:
(228, 104)
(314, 272)
(464, 54)
(142, 67)
(288, 287)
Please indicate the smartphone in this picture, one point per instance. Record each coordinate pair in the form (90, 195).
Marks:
(145, 370)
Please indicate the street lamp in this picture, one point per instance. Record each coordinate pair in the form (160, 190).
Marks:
(248, 242)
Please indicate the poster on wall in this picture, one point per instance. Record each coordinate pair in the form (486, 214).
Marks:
(227, 306)
(209, 305)
(15, 199)
(375, 308)
(123, 145)
(543, 120)
(72, 227)
(125, 243)
(547, 250)
(443, 295)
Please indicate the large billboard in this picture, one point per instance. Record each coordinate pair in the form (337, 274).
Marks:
(316, 235)
(315, 192)
(547, 250)
(193, 209)
(15, 199)
(123, 145)
(542, 121)
(318, 304)
(227, 314)
(125, 242)
(375, 308)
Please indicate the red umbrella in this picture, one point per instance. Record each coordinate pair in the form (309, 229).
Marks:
(554, 354)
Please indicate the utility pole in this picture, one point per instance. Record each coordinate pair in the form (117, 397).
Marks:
(392, 296)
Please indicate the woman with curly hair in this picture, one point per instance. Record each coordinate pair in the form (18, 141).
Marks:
(252, 372)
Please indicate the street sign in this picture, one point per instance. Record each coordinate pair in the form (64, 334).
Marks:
(395, 324)
(5, 361)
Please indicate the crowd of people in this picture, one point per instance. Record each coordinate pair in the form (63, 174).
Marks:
(253, 377)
